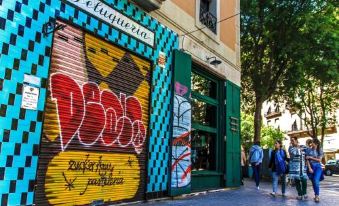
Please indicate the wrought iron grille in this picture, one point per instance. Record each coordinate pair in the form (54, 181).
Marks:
(208, 19)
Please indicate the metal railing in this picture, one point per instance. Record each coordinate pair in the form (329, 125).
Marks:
(208, 19)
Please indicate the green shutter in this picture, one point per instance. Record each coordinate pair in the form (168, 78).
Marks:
(180, 168)
(232, 135)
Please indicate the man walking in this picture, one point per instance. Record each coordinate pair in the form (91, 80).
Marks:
(255, 157)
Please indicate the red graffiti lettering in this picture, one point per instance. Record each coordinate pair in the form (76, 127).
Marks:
(70, 106)
(93, 115)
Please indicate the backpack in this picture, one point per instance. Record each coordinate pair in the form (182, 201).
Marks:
(280, 163)
(254, 155)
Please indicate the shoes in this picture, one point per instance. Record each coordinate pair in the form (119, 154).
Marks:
(317, 199)
(305, 197)
(272, 194)
(299, 197)
(283, 195)
(258, 188)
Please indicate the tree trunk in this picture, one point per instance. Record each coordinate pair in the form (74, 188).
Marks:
(257, 119)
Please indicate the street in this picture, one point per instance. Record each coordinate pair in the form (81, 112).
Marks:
(248, 195)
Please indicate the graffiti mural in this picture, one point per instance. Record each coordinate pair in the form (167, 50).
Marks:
(96, 121)
(181, 145)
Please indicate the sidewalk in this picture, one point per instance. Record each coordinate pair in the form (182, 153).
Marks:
(249, 195)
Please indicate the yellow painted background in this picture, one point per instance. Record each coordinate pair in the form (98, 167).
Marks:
(57, 192)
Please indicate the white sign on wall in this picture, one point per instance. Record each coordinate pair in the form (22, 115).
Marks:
(162, 60)
(30, 97)
(32, 79)
(116, 19)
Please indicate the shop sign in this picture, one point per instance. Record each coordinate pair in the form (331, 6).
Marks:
(30, 97)
(115, 19)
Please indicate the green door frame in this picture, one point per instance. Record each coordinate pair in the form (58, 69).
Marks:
(218, 130)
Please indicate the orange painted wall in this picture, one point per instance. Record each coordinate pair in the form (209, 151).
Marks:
(186, 5)
(227, 28)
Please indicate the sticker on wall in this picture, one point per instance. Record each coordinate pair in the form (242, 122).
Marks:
(30, 97)
(96, 118)
(162, 60)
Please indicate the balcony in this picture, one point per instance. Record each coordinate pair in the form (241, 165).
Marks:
(149, 5)
(269, 115)
(208, 19)
(304, 133)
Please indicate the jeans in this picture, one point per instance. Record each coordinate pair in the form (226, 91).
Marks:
(301, 186)
(256, 173)
(317, 172)
(275, 178)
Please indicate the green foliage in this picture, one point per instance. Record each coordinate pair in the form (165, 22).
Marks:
(247, 130)
(313, 88)
(269, 134)
(284, 43)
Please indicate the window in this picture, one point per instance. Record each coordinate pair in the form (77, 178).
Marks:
(203, 154)
(205, 120)
(204, 113)
(295, 126)
(277, 109)
(204, 86)
(269, 110)
(208, 13)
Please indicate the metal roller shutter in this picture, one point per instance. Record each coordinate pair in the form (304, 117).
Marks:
(95, 124)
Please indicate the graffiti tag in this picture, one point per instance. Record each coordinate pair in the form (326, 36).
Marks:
(93, 115)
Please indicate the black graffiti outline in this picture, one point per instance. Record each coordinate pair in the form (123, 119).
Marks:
(69, 183)
(130, 162)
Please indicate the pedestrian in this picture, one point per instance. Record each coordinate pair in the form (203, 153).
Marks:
(315, 172)
(297, 168)
(279, 167)
(255, 157)
(243, 163)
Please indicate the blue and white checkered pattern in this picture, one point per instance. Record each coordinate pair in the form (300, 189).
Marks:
(24, 50)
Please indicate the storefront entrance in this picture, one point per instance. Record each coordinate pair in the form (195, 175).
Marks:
(208, 154)
(95, 125)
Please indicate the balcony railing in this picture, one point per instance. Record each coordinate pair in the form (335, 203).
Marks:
(269, 115)
(208, 19)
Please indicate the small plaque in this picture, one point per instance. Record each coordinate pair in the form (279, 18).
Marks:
(30, 97)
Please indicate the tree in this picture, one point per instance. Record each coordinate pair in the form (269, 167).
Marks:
(316, 104)
(316, 93)
(271, 32)
(269, 134)
(247, 130)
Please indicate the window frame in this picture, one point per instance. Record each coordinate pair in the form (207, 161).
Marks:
(207, 31)
(219, 103)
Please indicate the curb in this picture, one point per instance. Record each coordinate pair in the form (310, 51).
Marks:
(180, 197)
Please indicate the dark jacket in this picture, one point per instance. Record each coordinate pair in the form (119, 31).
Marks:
(272, 160)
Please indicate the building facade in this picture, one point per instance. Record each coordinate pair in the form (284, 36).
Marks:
(280, 116)
(110, 101)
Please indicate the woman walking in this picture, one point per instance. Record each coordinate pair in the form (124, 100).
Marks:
(298, 168)
(278, 165)
(256, 157)
(314, 156)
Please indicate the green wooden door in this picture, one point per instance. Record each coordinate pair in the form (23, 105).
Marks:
(232, 134)
(180, 182)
